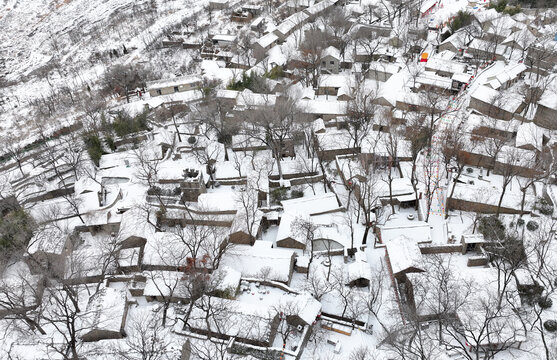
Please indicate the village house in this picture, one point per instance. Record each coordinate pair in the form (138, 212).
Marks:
(223, 40)
(546, 113)
(443, 67)
(265, 42)
(261, 262)
(495, 104)
(380, 71)
(331, 84)
(315, 10)
(171, 86)
(248, 323)
(485, 50)
(330, 60)
(240, 231)
(290, 24)
(403, 257)
(300, 310)
(508, 76)
(105, 315)
(218, 4)
(48, 249)
(456, 43)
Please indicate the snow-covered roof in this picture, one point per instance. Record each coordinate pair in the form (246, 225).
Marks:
(177, 81)
(486, 46)
(418, 231)
(134, 223)
(249, 99)
(403, 254)
(227, 94)
(358, 270)
(291, 22)
(240, 320)
(336, 81)
(508, 73)
(218, 201)
(459, 39)
(509, 102)
(312, 204)
(461, 77)
(322, 107)
(304, 305)
(332, 52)
(426, 5)
(224, 37)
(226, 278)
(267, 40)
(549, 97)
(50, 239)
(105, 311)
(438, 64)
(255, 261)
(487, 15)
(319, 7)
(431, 79)
(165, 249)
(530, 134)
(285, 230)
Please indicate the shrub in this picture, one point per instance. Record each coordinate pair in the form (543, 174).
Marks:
(550, 325)
(109, 141)
(545, 302)
(469, 170)
(125, 124)
(279, 194)
(94, 148)
(154, 190)
(462, 19)
(192, 140)
(492, 228)
(245, 82)
(445, 35)
(532, 225)
(296, 194)
(501, 6)
(16, 228)
(275, 73)
(543, 206)
(520, 222)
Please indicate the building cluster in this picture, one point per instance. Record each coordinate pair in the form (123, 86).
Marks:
(369, 187)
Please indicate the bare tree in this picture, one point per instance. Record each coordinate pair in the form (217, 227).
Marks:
(19, 296)
(274, 126)
(361, 111)
(14, 149)
(512, 161)
(122, 79)
(146, 339)
(368, 196)
(306, 229)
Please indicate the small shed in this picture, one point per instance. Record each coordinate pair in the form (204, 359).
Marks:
(300, 310)
(472, 242)
(359, 272)
(404, 256)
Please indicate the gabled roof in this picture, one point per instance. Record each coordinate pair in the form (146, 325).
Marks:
(331, 51)
(404, 254)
